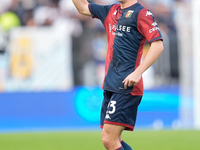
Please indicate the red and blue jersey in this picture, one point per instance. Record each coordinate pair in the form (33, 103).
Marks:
(127, 30)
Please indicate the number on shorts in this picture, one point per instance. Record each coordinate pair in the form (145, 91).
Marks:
(112, 104)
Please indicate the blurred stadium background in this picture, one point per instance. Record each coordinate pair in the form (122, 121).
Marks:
(52, 67)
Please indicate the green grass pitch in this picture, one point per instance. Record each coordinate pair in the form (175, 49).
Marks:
(139, 140)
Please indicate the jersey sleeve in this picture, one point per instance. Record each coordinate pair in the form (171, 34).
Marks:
(147, 26)
(99, 11)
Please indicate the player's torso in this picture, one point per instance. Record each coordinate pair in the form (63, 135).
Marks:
(124, 41)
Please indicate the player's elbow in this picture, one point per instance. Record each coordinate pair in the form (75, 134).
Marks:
(81, 11)
(84, 10)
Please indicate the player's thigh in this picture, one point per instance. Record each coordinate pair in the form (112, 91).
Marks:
(112, 131)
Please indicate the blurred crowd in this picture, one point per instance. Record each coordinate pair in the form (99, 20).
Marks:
(89, 38)
(34, 12)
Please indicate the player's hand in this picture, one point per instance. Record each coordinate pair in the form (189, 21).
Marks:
(132, 79)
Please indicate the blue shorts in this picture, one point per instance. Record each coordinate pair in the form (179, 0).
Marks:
(120, 109)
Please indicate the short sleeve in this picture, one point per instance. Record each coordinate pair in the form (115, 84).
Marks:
(147, 26)
(99, 11)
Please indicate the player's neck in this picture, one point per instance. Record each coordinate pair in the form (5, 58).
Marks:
(128, 3)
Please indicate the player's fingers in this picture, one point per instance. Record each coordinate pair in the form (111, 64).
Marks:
(135, 84)
(125, 84)
(130, 83)
(124, 80)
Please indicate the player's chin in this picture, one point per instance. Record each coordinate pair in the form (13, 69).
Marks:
(121, 1)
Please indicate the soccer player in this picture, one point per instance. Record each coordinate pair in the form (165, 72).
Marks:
(128, 25)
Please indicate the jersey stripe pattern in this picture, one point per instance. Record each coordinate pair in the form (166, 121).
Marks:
(127, 31)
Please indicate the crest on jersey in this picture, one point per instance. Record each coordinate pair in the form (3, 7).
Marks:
(129, 13)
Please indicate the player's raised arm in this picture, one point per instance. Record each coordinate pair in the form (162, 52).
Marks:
(82, 7)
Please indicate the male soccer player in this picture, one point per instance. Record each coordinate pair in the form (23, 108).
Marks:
(128, 25)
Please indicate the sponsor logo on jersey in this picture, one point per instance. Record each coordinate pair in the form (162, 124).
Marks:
(118, 34)
(119, 28)
(154, 24)
(149, 13)
(123, 28)
(153, 29)
(114, 28)
(129, 13)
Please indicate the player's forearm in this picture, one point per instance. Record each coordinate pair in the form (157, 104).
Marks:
(152, 55)
(82, 6)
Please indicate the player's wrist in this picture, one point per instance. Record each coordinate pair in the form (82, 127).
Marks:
(139, 71)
